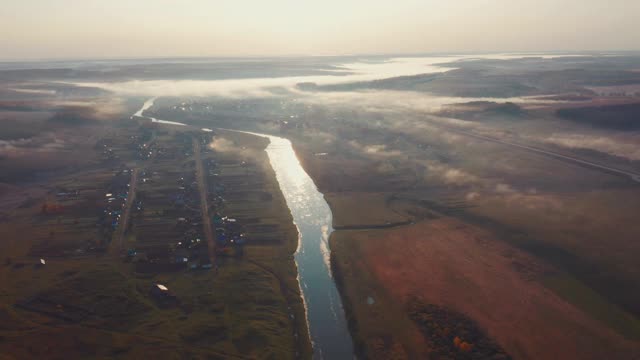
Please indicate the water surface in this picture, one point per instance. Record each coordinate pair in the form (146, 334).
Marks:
(325, 315)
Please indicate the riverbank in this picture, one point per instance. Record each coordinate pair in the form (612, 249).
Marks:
(325, 314)
(256, 199)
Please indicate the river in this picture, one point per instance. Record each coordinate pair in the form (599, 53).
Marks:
(311, 213)
(325, 314)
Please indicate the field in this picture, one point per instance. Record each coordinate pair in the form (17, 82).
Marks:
(462, 268)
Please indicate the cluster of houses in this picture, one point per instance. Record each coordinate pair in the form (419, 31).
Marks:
(144, 150)
(183, 244)
(110, 213)
(230, 237)
(192, 249)
(116, 197)
(229, 233)
(142, 144)
(107, 152)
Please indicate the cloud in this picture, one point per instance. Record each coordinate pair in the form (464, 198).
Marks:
(472, 196)
(34, 91)
(504, 188)
(223, 145)
(386, 101)
(96, 109)
(352, 72)
(232, 88)
(316, 135)
(374, 150)
(452, 176)
(269, 86)
(43, 143)
(623, 146)
(533, 202)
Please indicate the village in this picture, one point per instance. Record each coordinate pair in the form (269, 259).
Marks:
(163, 235)
(165, 232)
(168, 231)
(73, 209)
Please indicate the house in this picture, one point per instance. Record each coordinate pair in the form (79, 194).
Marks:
(160, 291)
(181, 256)
(162, 294)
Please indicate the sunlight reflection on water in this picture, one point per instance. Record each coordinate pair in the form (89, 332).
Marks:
(311, 214)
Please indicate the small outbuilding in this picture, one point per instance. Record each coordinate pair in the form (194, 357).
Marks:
(162, 294)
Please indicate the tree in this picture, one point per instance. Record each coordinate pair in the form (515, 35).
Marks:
(457, 341)
(466, 347)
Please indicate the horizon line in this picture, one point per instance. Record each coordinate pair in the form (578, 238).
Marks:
(285, 56)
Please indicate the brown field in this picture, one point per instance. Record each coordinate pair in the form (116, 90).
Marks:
(448, 263)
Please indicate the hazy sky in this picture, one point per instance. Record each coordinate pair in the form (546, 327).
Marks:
(138, 28)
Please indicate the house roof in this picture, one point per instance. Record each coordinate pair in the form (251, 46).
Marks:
(162, 287)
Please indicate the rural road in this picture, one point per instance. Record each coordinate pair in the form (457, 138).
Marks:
(202, 189)
(373, 226)
(633, 176)
(126, 213)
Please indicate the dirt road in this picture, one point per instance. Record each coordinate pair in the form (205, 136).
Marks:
(607, 169)
(117, 244)
(202, 189)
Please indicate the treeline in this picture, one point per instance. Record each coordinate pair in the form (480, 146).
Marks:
(616, 117)
(452, 335)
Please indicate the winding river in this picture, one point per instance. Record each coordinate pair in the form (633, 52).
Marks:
(328, 328)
